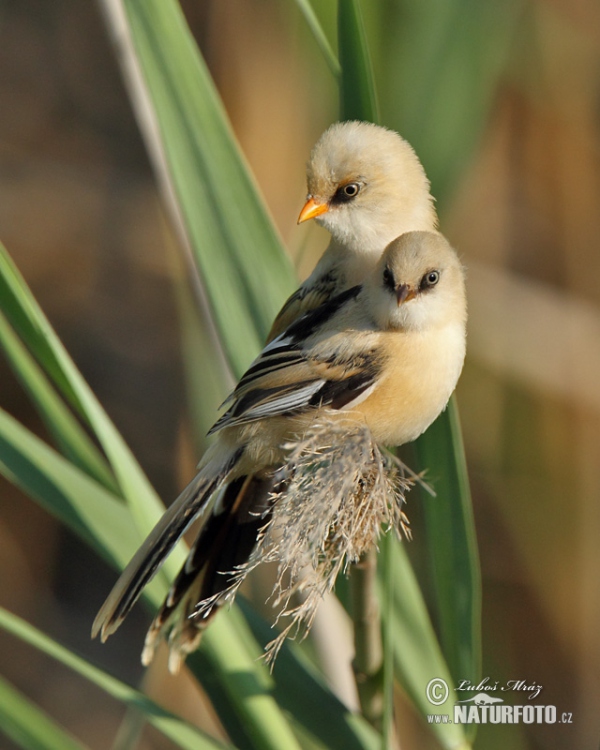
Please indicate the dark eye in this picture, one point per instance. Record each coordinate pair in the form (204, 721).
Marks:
(430, 279)
(347, 192)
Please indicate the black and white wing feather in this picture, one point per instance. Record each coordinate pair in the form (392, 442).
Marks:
(292, 374)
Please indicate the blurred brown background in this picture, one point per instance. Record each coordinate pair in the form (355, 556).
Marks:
(518, 186)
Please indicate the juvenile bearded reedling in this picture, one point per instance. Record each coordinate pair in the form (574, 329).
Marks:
(385, 354)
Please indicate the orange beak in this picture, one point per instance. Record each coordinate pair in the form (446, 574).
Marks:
(311, 209)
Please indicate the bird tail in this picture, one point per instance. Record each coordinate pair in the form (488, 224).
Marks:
(210, 574)
(190, 504)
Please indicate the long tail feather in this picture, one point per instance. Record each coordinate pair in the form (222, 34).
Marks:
(159, 544)
(224, 544)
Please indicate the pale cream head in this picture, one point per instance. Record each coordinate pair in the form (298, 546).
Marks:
(418, 284)
(366, 186)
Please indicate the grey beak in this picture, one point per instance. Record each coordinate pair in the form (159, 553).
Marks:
(404, 292)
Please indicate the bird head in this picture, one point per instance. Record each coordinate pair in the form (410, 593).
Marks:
(366, 186)
(418, 283)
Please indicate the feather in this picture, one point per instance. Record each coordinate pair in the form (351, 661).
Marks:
(223, 545)
(304, 299)
(159, 544)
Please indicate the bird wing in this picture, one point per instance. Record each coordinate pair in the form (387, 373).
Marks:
(291, 375)
(306, 298)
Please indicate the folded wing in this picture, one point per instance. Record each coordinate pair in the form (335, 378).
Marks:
(304, 368)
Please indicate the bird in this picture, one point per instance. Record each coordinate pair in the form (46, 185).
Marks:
(387, 353)
(366, 186)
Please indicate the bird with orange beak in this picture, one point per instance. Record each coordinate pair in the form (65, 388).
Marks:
(366, 186)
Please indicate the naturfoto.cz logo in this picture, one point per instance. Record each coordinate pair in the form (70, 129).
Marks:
(483, 708)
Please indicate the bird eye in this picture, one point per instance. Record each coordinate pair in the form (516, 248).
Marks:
(346, 192)
(430, 279)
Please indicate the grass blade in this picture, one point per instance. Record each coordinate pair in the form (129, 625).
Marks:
(71, 438)
(26, 317)
(184, 735)
(28, 726)
(452, 545)
(207, 381)
(225, 219)
(417, 656)
(387, 616)
(358, 98)
(24, 314)
(98, 517)
(301, 691)
(320, 37)
(246, 682)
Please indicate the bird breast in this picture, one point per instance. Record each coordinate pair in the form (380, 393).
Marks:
(420, 375)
